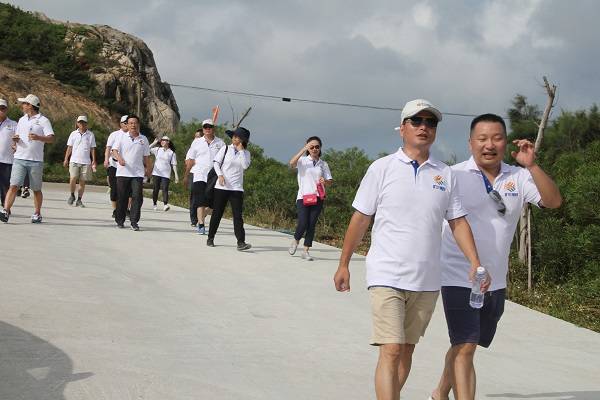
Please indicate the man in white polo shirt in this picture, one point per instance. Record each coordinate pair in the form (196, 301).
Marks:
(132, 152)
(110, 163)
(33, 131)
(493, 193)
(8, 128)
(80, 157)
(408, 194)
(199, 161)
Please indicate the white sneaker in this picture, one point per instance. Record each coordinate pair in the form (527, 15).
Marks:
(293, 247)
(306, 256)
(155, 208)
(166, 207)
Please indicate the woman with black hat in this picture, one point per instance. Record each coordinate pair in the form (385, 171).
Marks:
(230, 163)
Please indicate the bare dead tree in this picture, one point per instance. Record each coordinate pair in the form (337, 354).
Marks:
(243, 117)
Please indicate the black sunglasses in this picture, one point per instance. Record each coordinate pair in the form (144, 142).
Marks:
(498, 199)
(417, 121)
(208, 126)
(317, 147)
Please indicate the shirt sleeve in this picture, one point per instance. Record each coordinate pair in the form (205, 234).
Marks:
(455, 209)
(47, 127)
(367, 196)
(93, 144)
(530, 191)
(146, 148)
(326, 172)
(116, 145)
(245, 159)
(70, 140)
(192, 151)
(111, 140)
(174, 159)
(154, 151)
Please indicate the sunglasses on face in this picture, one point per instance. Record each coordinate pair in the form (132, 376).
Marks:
(417, 121)
(208, 127)
(498, 200)
(316, 147)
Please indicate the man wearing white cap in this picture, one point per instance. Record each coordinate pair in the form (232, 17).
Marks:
(110, 163)
(33, 131)
(408, 195)
(80, 157)
(199, 161)
(7, 150)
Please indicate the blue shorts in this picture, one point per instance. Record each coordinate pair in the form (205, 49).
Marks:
(22, 168)
(470, 325)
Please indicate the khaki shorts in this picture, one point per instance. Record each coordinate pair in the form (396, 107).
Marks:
(400, 316)
(81, 171)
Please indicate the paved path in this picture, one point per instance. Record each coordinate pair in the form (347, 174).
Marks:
(88, 311)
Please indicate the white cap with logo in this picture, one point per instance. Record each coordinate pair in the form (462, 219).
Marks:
(31, 99)
(208, 122)
(124, 119)
(414, 107)
(82, 118)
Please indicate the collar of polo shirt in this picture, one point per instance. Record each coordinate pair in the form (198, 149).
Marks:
(401, 155)
(472, 165)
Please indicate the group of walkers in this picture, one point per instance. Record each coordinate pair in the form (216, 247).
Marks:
(433, 225)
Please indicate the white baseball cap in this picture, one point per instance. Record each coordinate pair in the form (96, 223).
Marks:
(208, 122)
(31, 99)
(3, 103)
(82, 118)
(165, 138)
(414, 107)
(124, 118)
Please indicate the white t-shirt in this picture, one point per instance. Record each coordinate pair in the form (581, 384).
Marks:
(493, 232)
(110, 142)
(203, 154)
(133, 151)
(32, 150)
(8, 127)
(164, 159)
(409, 207)
(309, 174)
(82, 144)
(234, 165)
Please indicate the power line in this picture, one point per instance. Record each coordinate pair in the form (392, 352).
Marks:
(290, 99)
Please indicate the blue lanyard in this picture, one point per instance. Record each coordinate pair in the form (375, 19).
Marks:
(486, 182)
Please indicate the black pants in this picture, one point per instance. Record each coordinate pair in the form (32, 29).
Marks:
(129, 187)
(307, 221)
(112, 182)
(236, 198)
(5, 170)
(197, 199)
(160, 183)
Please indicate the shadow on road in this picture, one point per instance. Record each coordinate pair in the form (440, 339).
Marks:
(575, 395)
(31, 368)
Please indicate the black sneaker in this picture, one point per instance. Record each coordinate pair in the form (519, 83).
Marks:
(120, 226)
(210, 242)
(25, 193)
(4, 216)
(135, 227)
(79, 203)
(244, 246)
(71, 200)
(114, 214)
(19, 192)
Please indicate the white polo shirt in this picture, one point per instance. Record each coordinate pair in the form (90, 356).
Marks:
(309, 173)
(133, 151)
(493, 232)
(82, 144)
(234, 165)
(110, 143)
(32, 150)
(203, 154)
(8, 128)
(164, 159)
(409, 206)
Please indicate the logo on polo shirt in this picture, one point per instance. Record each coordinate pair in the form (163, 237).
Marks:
(439, 183)
(510, 187)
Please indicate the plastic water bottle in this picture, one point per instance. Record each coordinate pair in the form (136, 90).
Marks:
(476, 300)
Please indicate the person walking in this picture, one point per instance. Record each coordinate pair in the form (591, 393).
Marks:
(199, 162)
(110, 163)
(408, 194)
(230, 163)
(133, 154)
(80, 157)
(494, 194)
(32, 132)
(313, 176)
(8, 128)
(165, 160)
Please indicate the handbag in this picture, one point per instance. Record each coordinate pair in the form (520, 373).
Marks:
(309, 199)
(211, 179)
(321, 191)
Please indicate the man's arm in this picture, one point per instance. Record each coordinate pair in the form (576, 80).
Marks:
(93, 153)
(67, 155)
(359, 223)
(464, 239)
(147, 166)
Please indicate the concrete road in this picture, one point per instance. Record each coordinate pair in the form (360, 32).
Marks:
(88, 311)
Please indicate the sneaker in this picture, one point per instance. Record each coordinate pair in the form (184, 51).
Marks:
(166, 207)
(306, 256)
(293, 247)
(71, 200)
(193, 225)
(36, 219)
(4, 214)
(79, 203)
(155, 207)
(210, 242)
(114, 214)
(25, 193)
(244, 246)
(128, 214)
(19, 192)
(201, 230)
(120, 226)
(135, 227)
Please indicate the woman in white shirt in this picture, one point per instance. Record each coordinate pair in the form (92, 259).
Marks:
(165, 160)
(313, 176)
(230, 163)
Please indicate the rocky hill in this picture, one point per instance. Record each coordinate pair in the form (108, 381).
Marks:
(103, 72)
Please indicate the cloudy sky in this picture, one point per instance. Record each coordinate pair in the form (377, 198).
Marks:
(466, 56)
